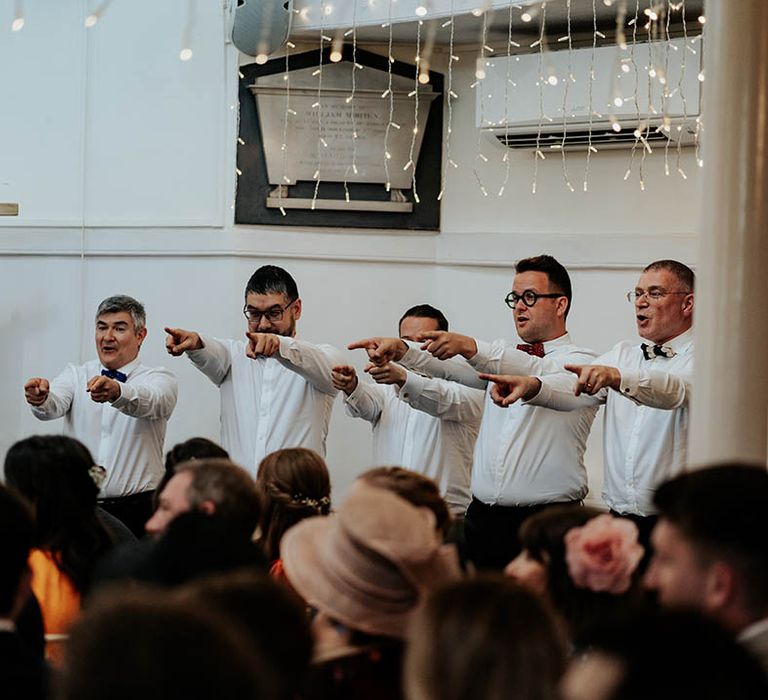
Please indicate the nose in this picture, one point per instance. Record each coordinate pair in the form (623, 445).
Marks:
(263, 324)
(511, 569)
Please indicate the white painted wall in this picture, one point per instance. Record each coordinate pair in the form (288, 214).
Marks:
(122, 160)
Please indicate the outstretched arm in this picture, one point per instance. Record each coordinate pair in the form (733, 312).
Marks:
(362, 400)
(313, 362)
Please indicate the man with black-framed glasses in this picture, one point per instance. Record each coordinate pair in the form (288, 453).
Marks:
(645, 387)
(528, 458)
(276, 390)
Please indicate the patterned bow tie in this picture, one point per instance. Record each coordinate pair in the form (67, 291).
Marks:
(534, 349)
(114, 374)
(651, 351)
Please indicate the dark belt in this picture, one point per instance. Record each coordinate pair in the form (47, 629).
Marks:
(134, 497)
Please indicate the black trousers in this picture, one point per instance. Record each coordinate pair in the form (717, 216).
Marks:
(133, 511)
(490, 531)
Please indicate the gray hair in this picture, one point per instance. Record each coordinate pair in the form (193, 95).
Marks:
(122, 302)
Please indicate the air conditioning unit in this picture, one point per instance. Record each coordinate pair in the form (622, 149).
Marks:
(548, 100)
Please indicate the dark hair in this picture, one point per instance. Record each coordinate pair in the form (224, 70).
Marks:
(292, 484)
(425, 311)
(122, 302)
(723, 511)
(273, 619)
(16, 529)
(194, 448)
(52, 473)
(270, 279)
(229, 487)
(543, 536)
(140, 644)
(485, 638)
(413, 487)
(683, 273)
(559, 279)
(665, 655)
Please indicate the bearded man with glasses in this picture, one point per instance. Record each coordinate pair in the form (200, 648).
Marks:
(645, 386)
(276, 390)
(527, 458)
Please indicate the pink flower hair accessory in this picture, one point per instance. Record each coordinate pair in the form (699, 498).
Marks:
(603, 554)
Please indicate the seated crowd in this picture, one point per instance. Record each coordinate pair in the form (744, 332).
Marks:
(257, 588)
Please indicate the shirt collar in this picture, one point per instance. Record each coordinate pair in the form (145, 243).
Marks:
(550, 345)
(754, 630)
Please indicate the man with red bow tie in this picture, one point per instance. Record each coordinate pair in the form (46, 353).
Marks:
(527, 458)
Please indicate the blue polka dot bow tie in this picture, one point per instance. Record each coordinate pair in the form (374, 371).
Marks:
(114, 374)
(651, 351)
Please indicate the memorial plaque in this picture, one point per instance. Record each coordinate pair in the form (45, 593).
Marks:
(341, 135)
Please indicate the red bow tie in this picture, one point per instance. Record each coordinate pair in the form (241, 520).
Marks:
(534, 349)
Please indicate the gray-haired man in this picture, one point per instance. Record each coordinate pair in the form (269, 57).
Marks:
(117, 407)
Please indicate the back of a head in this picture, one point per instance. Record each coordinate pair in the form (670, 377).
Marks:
(228, 488)
(194, 448)
(415, 488)
(485, 638)
(273, 619)
(723, 511)
(292, 484)
(667, 655)
(270, 279)
(16, 529)
(53, 472)
(559, 279)
(137, 644)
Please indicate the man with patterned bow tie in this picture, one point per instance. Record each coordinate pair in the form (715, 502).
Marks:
(645, 387)
(528, 458)
(117, 407)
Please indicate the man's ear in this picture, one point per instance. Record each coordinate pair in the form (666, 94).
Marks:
(720, 586)
(688, 305)
(297, 309)
(562, 306)
(141, 335)
(208, 507)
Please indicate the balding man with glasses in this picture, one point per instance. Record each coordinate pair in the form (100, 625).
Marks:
(645, 385)
(276, 390)
(526, 458)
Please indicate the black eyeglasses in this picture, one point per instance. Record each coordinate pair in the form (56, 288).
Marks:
(529, 298)
(652, 294)
(274, 315)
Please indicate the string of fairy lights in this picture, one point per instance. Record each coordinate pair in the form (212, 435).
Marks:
(653, 123)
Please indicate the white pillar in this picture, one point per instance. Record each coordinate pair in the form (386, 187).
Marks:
(729, 415)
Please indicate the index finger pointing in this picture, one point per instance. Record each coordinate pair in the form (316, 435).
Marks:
(576, 369)
(364, 344)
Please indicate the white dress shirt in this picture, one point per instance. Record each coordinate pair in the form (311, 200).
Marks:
(646, 420)
(525, 455)
(429, 426)
(270, 403)
(125, 437)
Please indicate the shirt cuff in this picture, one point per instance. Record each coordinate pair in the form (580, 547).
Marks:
(411, 354)
(198, 356)
(482, 357)
(543, 398)
(413, 387)
(127, 394)
(630, 383)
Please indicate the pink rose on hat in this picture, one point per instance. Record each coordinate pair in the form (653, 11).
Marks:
(603, 554)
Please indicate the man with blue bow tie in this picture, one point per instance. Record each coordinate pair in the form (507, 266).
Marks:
(117, 407)
(645, 385)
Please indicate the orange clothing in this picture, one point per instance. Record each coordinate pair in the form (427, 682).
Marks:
(58, 598)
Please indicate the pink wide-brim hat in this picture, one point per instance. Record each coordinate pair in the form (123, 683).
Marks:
(372, 563)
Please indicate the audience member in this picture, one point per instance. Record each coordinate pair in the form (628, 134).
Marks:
(664, 656)
(140, 644)
(292, 484)
(22, 671)
(275, 623)
(56, 475)
(425, 424)
(365, 570)
(117, 407)
(583, 562)
(711, 551)
(486, 639)
(275, 389)
(194, 448)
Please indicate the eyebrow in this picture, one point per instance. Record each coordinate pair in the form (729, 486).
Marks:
(265, 311)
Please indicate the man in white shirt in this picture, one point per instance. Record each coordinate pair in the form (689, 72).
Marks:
(710, 551)
(424, 424)
(528, 458)
(645, 386)
(117, 407)
(276, 390)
